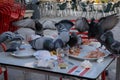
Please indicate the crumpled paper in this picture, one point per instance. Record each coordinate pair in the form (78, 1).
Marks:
(86, 64)
(44, 55)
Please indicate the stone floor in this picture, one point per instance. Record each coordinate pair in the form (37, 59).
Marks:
(20, 75)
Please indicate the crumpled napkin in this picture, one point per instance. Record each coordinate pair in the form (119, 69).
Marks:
(46, 64)
(86, 64)
(44, 55)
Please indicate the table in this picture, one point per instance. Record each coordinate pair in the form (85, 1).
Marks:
(28, 64)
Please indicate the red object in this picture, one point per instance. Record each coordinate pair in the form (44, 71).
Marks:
(5, 72)
(84, 71)
(60, 78)
(71, 70)
(103, 76)
(6, 1)
(0, 70)
(10, 12)
(6, 75)
(3, 46)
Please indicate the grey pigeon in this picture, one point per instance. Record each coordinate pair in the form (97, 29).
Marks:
(58, 43)
(38, 28)
(31, 24)
(28, 23)
(11, 37)
(95, 29)
(110, 43)
(101, 31)
(42, 43)
(64, 25)
(103, 25)
(63, 28)
(81, 24)
(6, 35)
(74, 40)
(48, 24)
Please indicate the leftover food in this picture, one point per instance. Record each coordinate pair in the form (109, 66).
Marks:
(95, 54)
(74, 51)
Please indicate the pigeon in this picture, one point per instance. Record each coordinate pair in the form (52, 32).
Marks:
(58, 43)
(48, 24)
(104, 35)
(64, 25)
(46, 43)
(10, 36)
(11, 39)
(25, 23)
(6, 35)
(96, 29)
(110, 43)
(38, 28)
(101, 31)
(81, 24)
(116, 47)
(63, 28)
(31, 24)
(74, 40)
(42, 43)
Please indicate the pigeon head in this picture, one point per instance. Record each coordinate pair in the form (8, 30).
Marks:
(38, 27)
(73, 39)
(107, 37)
(58, 43)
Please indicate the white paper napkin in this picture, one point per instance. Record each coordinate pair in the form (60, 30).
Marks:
(44, 55)
(44, 64)
(86, 64)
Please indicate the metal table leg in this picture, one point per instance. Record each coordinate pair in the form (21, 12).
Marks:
(47, 77)
(118, 68)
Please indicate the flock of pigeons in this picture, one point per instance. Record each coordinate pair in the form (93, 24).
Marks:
(100, 30)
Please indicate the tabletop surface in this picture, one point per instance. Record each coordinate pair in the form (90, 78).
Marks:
(73, 70)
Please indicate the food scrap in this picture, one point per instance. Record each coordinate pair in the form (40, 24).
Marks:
(95, 54)
(74, 51)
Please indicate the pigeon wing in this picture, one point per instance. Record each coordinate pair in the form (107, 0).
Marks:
(108, 22)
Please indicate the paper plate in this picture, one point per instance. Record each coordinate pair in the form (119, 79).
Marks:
(23, 53)
(85, 51)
